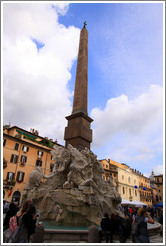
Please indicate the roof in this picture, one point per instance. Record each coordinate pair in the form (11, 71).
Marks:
(31, 134)
(160, 175)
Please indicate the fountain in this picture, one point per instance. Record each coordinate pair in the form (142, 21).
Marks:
(74, 194)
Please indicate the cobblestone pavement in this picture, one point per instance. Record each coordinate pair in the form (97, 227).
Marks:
(153, 239)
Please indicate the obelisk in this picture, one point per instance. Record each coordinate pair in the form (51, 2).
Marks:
(78, 132)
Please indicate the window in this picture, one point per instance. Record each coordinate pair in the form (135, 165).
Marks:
(4, 141)
(114, 174)
(20, 177)
(40, 153)
(38, 163)
(130, 192)
(10, 176)
(158, 185)
(159, 191)
(52, 158)
(135, 193)
(157, 180)
(122, 177)
(23, 159)
(129, 179)
(134, 181)
(123, 190)
(25, 148)
(51, 167)
(16, 146)
(14, 158)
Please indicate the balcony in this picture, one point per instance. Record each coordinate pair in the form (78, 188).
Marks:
(9, 182)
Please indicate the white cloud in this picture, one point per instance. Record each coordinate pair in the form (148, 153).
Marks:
(35, 91)
(130, 130)
(157, 171)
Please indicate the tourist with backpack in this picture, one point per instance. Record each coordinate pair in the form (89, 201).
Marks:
(10, 223)
(139, 227)
(20, 235)
(10, 213)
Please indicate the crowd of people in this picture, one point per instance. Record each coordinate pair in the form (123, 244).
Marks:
(133, 224)
(19, 222)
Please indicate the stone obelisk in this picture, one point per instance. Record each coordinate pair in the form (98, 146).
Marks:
(78, 132)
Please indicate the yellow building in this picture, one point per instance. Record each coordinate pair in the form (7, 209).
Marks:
(144, 188)
(126, 182)
(22, 152)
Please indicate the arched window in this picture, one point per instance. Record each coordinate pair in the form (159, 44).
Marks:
(16, 196)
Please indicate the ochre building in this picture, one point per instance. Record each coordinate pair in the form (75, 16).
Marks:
(159, 187)
(22, 152)
(144, 188)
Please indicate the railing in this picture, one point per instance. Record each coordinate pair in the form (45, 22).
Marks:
(9, 182)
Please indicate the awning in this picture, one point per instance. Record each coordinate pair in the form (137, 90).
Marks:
(26, 134)
(133, 203)
(159, 204)
(138, 203)
(125, 202)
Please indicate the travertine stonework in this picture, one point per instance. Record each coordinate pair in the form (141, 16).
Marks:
(74, 193)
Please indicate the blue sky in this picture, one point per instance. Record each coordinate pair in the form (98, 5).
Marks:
(125, 74)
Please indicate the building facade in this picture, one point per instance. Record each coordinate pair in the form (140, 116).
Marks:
(23, 151)
(144, 188)
(126, 182)
(153, 188)
(159, 187)
(110, 172)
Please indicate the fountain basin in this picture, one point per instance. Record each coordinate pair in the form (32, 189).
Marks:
(71, 234)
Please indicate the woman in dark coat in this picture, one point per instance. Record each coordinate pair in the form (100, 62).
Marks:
(10, 213)
(31, 216)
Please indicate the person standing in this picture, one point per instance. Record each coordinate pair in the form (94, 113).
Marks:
(10, 213)
(125, 229)
(142, 219)
(31, 216)
(21, 233)
(160, 220)
(106, 227)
